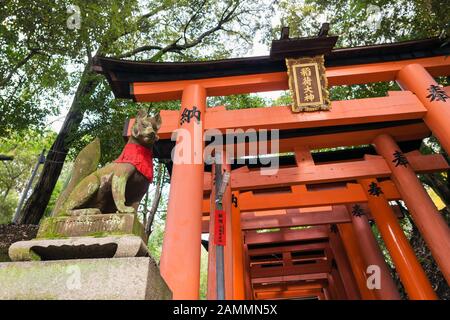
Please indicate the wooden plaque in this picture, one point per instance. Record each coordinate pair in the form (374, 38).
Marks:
(308, 84)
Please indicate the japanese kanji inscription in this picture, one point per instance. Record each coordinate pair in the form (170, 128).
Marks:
(308, 84)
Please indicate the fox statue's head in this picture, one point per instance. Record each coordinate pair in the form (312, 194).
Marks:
(145, 128)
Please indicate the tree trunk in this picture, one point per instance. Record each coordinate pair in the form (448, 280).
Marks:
(6, 193)
(155, 203)
(36, 204)
(145, 209)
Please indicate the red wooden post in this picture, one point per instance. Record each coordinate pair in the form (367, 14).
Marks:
(238, 250)
(372, 254)
(344, 267)
(415, 77)
(247, 276)
(180, 258)
(409, 269)
(427, 218)
(356, 261)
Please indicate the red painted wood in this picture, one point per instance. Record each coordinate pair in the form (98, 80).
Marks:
(281, 236)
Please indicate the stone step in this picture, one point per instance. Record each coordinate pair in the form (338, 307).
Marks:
(85, 279)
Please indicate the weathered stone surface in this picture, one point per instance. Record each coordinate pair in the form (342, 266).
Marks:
(78, 248)
(85, 163)
(87, 279)
(91, 225)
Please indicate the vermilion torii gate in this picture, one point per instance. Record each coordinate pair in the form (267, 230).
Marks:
(319, 204)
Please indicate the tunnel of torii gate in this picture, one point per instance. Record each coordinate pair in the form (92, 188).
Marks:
(319, 206)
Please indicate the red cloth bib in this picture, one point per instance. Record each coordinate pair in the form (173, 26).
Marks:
(140, 157)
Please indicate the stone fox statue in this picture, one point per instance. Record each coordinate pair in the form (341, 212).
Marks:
(120, 185)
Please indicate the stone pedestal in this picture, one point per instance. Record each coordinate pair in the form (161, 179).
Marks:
(87, 279)
(102, 256)
(96, 225)
(78, 248)
(84, 237)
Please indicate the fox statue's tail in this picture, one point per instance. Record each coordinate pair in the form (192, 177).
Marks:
(85, 163)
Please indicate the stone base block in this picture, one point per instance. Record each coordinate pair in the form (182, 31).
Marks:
(78, 248)
(86, 279)
(96, 225)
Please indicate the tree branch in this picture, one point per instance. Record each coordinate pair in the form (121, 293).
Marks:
(21, 63)
(138, 22)
(226, 16)
(138, 50)
(193, 17)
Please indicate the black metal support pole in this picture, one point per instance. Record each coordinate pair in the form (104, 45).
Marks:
(220, 274)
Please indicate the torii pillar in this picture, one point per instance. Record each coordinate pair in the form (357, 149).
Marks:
(408, 267)
(180, 259)
(373, 255)
(427, 218)
(238, 249)
(414, 77)
(353, 250)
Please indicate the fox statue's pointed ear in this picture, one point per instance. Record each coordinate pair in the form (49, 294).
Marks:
(158, 121)
(135, 131)
(142, 113)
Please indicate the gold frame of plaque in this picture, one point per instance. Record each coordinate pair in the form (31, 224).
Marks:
(308, 84)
